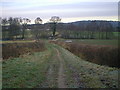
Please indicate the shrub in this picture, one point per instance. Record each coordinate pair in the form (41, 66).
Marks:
(16, 49)
(104, 55)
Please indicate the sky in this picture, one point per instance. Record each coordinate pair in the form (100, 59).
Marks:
(67, 10)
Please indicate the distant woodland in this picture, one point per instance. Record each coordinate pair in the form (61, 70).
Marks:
(20, 28)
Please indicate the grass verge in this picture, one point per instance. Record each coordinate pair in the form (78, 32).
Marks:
(83, 74)
(27, 71)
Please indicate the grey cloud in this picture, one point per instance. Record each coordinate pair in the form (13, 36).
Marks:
(83, 9)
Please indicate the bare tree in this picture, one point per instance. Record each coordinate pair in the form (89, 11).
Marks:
(54, 20)
(24, 22)
(10, 28)
(37, 27)
(4, 21)
(38, 20)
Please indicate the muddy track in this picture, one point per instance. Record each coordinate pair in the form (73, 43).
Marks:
(61, 75)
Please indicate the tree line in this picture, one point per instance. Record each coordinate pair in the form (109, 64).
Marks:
(18, 28)
(15, 28)
(91, 30)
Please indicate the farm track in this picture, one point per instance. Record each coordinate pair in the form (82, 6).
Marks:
(61, 75)
(71, 72)
(59, 69)
(67, 71)
(55, 75)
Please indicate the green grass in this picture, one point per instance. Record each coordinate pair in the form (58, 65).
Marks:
(52, 73)
(31, 71)
(27, 71)
(100, 42)
(95, 41)
(116, 34)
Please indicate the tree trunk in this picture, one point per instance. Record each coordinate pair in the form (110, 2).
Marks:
(23, 34)
(54, 29)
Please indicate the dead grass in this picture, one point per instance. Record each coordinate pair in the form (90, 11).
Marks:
(104, 55)
(83, 74)
(10, 50)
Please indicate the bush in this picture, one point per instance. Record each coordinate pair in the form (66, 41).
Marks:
(104, 55)
(16, 49)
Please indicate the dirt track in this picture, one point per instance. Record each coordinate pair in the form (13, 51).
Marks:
(57, 68)
(65, 71)
(55, 75)
(61, 75)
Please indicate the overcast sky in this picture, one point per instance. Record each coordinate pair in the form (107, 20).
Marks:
(68, 10)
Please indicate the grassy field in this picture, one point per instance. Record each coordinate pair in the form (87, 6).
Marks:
(44, 69)
(95, 42)
(82, 41)
(116, 34)
(27, 71)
